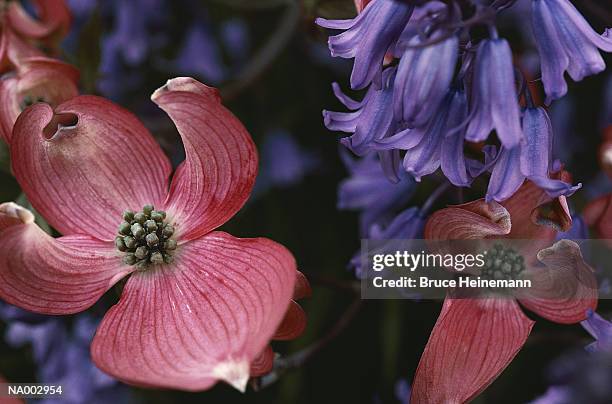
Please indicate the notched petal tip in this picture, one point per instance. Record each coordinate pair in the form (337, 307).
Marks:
(12, 214)
(233, 372)
(186, 84)
(60, 124)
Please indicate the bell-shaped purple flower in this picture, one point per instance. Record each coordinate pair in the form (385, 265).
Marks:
(423, 77)
(566, 42)
(438, 143)
(532, 160)
(370, 120)
(368, 37)
(494, 103)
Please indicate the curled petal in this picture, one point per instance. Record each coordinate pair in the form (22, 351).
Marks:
(52, 276)
(598, 214)
(12, 214)
(263, 363)
(37, 79)
(85, 163)
(219, 171)
(471, 344)
(13, 50)
(53, 20)
(203, 319)
(565, 289)
(293, 324)
(473, 220)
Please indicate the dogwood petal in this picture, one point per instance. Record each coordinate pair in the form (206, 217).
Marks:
(535, 215)
(99, 162)
(52, 276)
(36, 79)
(13, 49)
(471, 344)
(53, 19)
(473, 220)
(219, 171)
(205, 318)
(564, 289)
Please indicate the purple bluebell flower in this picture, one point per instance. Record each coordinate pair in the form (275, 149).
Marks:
(369, 120)
(368, 37)
(406, 225)
(423, 77)
(566, 42)
(369, 191)
(494, 102)
(439, 143)
(532, 160)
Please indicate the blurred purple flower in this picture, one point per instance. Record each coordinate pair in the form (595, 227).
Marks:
(554, 395)
(494, 102)
(369, 191)
(61, 354)
(406, 225)
(402, 391)
(284, 162)
(566, 42)
(368, 37)
(200, 55)
(235, 37)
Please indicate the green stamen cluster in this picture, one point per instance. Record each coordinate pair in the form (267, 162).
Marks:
(503, 263)
(28, 100)
(145, 238)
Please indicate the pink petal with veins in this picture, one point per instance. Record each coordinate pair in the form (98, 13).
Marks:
(52, 276)
(471, 344)
(219, 171)
(35, 78)
(205, 318)
(83, 173)
(564, 289)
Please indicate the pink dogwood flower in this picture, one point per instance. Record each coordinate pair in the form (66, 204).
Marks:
(199, 305)
(35, 79)
(474, 339)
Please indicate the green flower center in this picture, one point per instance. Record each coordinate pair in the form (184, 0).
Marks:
(30, 100)
(502, 263)
(145, 238)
